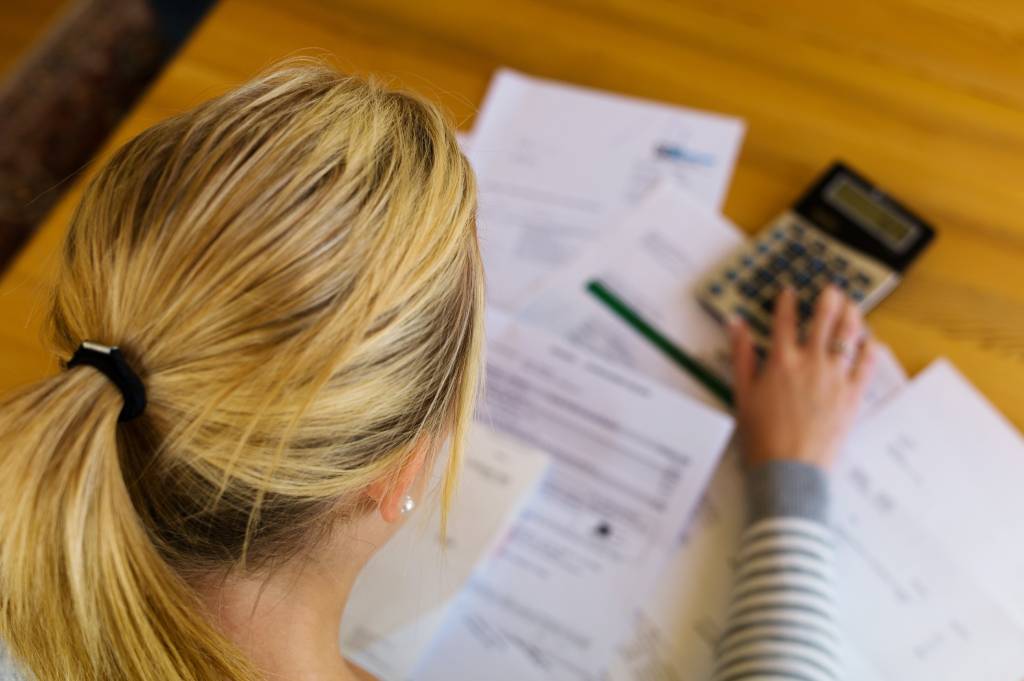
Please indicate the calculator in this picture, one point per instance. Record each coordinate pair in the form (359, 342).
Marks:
(843, 230)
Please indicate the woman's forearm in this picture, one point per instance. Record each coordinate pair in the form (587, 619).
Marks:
(782, 622)
(794, 407)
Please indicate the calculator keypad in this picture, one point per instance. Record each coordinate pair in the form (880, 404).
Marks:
(789, 253)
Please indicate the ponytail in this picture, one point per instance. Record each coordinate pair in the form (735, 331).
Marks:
(293, 270)
(84, 594)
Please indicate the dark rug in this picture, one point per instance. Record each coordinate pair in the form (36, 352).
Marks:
(64, 98)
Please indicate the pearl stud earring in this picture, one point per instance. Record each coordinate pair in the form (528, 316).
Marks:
(408, 504)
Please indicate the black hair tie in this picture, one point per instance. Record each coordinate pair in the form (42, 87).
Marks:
(111, 362)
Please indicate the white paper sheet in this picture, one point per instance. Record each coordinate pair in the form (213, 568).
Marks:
(631, 459)
(557, 164)
(402, 596)
(931, 563)
(674, 630)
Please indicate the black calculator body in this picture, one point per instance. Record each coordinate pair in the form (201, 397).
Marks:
(844, 230)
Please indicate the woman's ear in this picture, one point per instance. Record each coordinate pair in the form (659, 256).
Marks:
(389, 493)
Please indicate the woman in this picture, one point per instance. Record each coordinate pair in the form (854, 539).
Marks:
(291, 278)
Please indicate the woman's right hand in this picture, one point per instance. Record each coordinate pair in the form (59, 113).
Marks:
(801, 402)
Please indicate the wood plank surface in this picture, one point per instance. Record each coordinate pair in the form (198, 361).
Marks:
(926, 97)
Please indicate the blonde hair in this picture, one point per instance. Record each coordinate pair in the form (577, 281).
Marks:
(292, 269)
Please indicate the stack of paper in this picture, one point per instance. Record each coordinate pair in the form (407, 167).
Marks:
(630, 460)
(618, 565)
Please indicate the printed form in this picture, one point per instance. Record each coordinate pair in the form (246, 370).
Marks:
(630, 461)
(558, 164)
(928, 500)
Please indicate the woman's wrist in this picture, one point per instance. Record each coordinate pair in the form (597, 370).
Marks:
(787, 487)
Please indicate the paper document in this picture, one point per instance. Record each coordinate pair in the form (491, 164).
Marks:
(673, 632)
(928, 508)
(558, 164)
(630, 461)
(402, 595)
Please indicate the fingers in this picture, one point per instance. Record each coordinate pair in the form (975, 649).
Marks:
(826, 314)
(849, 328)
(744, 363)
(784, 321)
(864, 365)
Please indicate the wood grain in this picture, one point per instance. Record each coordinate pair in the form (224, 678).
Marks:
(926, 97)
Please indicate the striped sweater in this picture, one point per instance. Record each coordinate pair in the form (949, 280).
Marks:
(781, 624)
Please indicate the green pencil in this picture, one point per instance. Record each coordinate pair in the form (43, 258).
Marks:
(695, 368)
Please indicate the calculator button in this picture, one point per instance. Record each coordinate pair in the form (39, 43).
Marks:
(857, 295)
(746, 261)
(779, 234)
(862, 278)
(731, 275)
(749, 289)
(841, 281)
(839, 263)
(779, 263)
(817, 247)
(801, 279)
(762, 247)
(715, 289)
(815, 265)
(796, 249)
(763, 276)
(798, 230)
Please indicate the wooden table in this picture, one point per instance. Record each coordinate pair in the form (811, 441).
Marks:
(927, 97)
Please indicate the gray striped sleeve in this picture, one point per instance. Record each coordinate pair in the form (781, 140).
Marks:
(782, 621)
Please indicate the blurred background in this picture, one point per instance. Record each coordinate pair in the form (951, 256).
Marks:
(925, 96)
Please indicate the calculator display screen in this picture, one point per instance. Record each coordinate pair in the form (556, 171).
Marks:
(890, 227)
